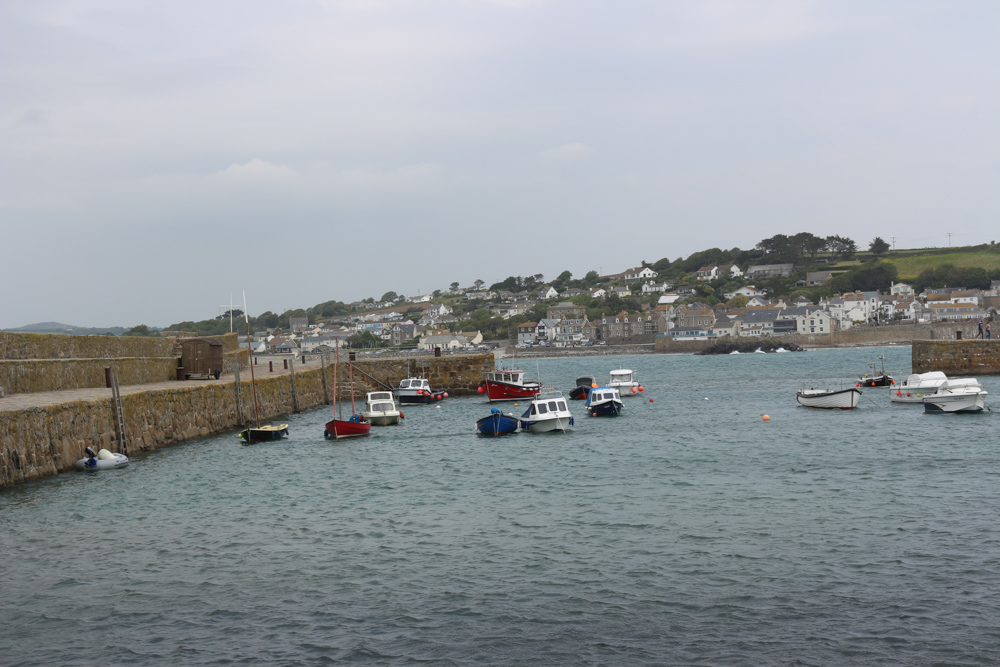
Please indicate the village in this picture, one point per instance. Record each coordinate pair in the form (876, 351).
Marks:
(543, 315)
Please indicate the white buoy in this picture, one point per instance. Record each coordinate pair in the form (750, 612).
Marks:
(438, 407)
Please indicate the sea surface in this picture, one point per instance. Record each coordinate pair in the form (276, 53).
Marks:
(687, 531)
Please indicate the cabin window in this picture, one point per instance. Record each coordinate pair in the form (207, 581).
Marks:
(533, 409)
(541, 408)
(552, 406)
(405, 384)
(562, 405)
(506, 377)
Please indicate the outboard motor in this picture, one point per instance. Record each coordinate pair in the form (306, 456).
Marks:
(91, 457)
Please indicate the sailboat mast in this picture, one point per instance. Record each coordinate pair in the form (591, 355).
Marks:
(336, 364)
(253, 382)
(351, 367)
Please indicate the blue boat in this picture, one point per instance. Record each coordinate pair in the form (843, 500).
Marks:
(604, 402)
(497, 423)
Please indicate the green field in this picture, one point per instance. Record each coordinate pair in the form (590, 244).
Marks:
(911, 266)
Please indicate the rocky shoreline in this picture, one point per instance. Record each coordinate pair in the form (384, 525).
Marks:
(750, 345)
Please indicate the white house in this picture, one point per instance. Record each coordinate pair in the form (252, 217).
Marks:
(598, 292)
(730, 271)
(549, 292)
(708, 273)
(639, 273)
(749, 291)
(652, 288)
(817, 321)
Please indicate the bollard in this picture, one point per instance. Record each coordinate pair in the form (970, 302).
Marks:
(107, 377)
(286, 364)
(351, 356)
(255, 361)
(270, 367)
(437, 351)
(958, 335)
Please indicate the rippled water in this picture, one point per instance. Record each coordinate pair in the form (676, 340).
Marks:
(686, 531)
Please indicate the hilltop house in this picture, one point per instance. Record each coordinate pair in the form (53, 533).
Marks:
(770, 270)
(707, 273)
(639, 273)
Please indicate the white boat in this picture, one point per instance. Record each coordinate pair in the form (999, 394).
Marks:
(624, 381)
(958, 395)
(417, 390)
(604, 402)
(918, 385)
(829, 399)
(380, 409)
(102, 460)
(547, 412)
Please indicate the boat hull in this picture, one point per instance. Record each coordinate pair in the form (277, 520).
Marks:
(340, 429)
(382, 419)
(410, 397)
(876, 382)
(502, 391)
(625, 388)
(955, 403)
(496, 424)
(606, 409)
(264, 433)
(845, 399)
(579, 393)
(92, 465)
(546, 425)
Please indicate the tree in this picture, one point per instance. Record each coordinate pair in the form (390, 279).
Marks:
(389, 296)
(138, 330)
(363, 339)
(454, 286)
(879, 247)
(436, 293)
(842, 246)
(479, 283)
(562, 280)
(738, 301)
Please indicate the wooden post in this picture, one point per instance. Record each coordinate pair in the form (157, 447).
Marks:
(295, 393)
(239, 393)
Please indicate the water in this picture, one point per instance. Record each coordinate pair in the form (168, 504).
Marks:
(687, 531)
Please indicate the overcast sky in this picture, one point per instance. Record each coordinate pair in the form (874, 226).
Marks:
(158, 156)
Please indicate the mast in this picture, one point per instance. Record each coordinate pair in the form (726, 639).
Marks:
(253, 382)
(336, 363)
(351, 367)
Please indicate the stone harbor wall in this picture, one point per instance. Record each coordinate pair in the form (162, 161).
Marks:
(956, 358)
(55, 362)
(48, 439)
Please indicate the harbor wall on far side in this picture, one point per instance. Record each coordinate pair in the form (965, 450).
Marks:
(48, 439)
(957, 357)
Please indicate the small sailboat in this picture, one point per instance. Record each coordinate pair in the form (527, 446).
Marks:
(496, 423)
(340, 428)
(258, 433)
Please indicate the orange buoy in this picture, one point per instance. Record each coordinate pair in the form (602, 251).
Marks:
(593, 385)
(633, 390)
(899, 393)
(401, 415)
(641, 388)
(766, 418)
(650, 400)
(482, 390)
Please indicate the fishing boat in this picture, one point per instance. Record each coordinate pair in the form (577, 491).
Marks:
(101, 460)
(356, 425)
(955, 396)
(624, 381)
(380, 409)
(507, 384)
(496, 423)
(918, 385)
(258, 433)
(829, 399)
(877, 377)
(417, 390)
(604, 402)
(583, 386)
(547, 412)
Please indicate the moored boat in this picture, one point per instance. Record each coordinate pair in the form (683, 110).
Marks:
(417, 390)
(583, 386)
(380, 409)
(918, 385)
(266, 433)
(496, 423)
(829, 399)
(624, 381)
(508, 384)
(547, 412)
(877, 377)
(957, 395)
(101, 460)
(339, 428)
(604, 402)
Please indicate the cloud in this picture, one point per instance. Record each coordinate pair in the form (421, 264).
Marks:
(572, 152)
(256, 172)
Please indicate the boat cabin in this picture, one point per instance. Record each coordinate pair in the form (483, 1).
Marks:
(414, 383)
(621, 375)
(507, 376)
(541, 406)
(381, 401)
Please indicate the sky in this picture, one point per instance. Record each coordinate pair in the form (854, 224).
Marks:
(158, 157)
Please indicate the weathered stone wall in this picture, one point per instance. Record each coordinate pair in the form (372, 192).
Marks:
(957, 357)
(46, 440)
(55, 362)
(21, 377)
(60, 346)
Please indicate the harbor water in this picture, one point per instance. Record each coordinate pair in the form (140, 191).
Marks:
(687, 531)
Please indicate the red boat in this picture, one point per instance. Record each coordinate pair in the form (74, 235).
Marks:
(508, 385)
(345, 428)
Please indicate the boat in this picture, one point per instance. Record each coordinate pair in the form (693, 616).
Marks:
(583, 386)
(918, 385)
(258, 433)
(417, 390)
(380, 409)
(877, 378)
(958, 395)
(507, 384)
(829, 399)
(339, 428)
(604, 402)
(497, 423)
(266, 433)
(101, 460)
(624, 381)
(547, 412)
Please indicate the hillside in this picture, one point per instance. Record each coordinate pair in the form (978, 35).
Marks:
(910, 266)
